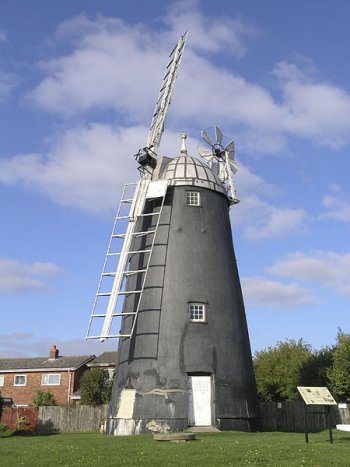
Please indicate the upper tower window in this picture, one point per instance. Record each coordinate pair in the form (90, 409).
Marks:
(196, 312)
(193, 198)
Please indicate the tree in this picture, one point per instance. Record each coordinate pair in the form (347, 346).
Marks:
(315, 371)
(339, 374)
(43, 398)
(279, 370)
(95, 387)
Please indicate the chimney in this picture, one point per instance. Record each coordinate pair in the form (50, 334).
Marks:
(53, 353)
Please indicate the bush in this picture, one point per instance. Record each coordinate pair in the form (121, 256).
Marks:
(95, 387)
(339, 373)
(3, 428)
(43, 398)
(279, 370)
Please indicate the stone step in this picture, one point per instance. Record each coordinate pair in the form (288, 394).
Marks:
(174, 437)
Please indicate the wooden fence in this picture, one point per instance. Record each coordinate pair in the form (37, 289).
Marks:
(20, 418)
(290, 416)
(283, 416)
(71, 418)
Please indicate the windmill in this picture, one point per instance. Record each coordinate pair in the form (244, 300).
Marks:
(170, 291)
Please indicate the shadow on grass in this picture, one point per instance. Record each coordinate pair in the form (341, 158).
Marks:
(43, 429)
(343, 439)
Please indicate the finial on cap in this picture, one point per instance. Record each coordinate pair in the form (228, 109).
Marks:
(183, 145)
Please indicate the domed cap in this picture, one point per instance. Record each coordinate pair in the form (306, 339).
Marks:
(186, 170)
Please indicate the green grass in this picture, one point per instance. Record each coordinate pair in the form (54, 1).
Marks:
(224, 449)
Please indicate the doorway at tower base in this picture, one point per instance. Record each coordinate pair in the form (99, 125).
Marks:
(174, 410)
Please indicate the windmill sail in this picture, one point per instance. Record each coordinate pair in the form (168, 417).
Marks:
(163, 101)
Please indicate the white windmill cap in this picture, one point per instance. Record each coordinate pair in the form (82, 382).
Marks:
(189, 171)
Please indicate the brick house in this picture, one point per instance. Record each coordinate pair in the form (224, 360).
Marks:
(20, 378)
(107, 361)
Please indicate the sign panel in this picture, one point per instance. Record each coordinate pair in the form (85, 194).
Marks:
(316, 396)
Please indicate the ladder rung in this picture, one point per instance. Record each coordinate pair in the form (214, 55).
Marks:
(141, 234)
(103, 294)
(129, 292)
(123, 217)
(127, 200)
(130, 273)
(110, 336)
(113, 336)
(103, 315)
(131, 252)
(150, 214)
(126, 273)
(135, 234)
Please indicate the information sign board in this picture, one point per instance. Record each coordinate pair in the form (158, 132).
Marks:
(316, 396)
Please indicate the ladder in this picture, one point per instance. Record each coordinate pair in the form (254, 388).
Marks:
(122, 251)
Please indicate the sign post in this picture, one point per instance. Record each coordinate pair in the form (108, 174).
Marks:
(318, 396)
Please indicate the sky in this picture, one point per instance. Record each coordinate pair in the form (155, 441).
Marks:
(78, 85)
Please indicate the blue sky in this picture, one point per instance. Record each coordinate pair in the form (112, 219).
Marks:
(78, 84)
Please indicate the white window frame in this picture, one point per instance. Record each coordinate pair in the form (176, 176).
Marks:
(16, 384)
(46, 376)
(2, 380)
(197, 312)
(193, 198)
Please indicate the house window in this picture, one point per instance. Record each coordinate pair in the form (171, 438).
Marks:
(20, 380)
(51, 379)
(196, 312)
(2, 380)
(193, 198)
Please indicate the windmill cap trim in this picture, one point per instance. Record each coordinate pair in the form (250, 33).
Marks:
(186, 170)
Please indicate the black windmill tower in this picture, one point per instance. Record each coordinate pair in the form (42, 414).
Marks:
(170, 291)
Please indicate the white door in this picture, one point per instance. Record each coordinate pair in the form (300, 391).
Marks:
(200, 401)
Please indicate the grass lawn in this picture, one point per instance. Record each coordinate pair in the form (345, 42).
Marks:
(225, 449)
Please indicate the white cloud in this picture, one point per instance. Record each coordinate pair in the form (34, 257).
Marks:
(86, 166)
(115, 65)
(208, 34)
(261, 292)
(3, 36)
(18, 277)
(259, 219)
(314, 110)
(336, 204)
(7, 82)
(23, 344)
(325, 268)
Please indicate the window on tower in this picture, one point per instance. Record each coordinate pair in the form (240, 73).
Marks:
(193, 198)
(196, 312)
